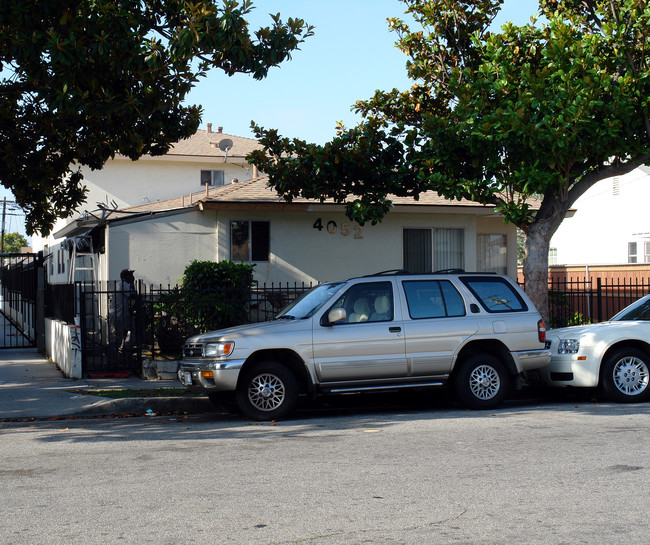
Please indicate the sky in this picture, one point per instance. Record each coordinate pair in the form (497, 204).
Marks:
(351, 54)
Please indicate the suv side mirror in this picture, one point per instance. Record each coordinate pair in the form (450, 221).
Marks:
(336, 315)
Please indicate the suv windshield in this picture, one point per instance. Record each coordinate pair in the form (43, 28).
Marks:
(309, 302)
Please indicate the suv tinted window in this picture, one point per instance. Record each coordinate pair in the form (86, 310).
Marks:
(368, 302)
(432, 299)
(495, 294)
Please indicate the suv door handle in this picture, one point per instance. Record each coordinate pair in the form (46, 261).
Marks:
(394, 329)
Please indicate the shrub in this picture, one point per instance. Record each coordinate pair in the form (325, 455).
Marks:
(212, 295)
(218, 293)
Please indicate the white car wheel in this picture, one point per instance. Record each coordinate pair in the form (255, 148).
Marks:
(625, 376)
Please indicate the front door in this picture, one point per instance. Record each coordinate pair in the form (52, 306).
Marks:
(369, 343)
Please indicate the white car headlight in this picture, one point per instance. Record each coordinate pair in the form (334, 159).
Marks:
(216, 350)
(568, 346)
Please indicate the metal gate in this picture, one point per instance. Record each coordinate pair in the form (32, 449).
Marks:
(18, 293)
(110, 332)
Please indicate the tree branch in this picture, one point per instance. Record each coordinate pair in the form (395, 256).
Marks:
(596, 175)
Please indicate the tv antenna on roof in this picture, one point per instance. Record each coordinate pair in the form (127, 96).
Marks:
(225, 145)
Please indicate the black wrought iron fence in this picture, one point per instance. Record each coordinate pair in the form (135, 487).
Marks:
(158, 320)
(575, 302)
(161, 318)
(171, 315)
(18, 293)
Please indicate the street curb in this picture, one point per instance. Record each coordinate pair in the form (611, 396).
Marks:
(140, 405)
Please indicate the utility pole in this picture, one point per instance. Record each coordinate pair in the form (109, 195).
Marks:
(4, 213)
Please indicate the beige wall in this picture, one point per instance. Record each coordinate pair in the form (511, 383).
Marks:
(299, 252)
(130, 183)
(160, 247)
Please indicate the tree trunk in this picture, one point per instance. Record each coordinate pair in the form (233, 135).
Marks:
(536, 266)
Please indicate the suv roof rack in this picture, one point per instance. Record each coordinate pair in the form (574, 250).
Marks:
(441, 271)
(449, 271)
(392, 271)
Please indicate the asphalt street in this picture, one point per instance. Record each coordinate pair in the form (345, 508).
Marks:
(547, 468)
(548, 474)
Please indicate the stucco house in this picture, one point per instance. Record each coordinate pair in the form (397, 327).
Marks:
(298, 242)
(208, 158)
(610, 224)
(203, 201)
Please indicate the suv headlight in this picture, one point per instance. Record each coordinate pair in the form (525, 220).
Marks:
(218, 350)
(568, 346)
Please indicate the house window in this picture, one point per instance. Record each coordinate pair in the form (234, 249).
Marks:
(631, 252)
(491, 253)
(249, 240)
(60, 267)
(427, 249)
(212, 177)
(646, 252)
(552, 256)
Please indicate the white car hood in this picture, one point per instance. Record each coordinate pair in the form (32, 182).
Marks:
(578, 331)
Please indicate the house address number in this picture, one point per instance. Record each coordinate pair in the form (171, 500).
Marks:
(346, 229)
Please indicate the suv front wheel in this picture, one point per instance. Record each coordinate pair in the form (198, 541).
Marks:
(482, 382)
(267, 391)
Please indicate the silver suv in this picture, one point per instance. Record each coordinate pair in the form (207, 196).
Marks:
(477, 332)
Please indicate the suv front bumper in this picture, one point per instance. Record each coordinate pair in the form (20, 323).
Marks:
(210, 376)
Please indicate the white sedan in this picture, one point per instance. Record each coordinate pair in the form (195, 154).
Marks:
(613, 355)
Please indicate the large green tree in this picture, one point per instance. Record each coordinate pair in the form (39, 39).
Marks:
(543, 110)
(13, 242)
(82, 80)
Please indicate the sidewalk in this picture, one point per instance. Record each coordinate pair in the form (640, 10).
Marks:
(32, 387)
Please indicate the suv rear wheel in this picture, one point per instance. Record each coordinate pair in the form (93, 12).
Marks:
(267, 391)
(482, 382)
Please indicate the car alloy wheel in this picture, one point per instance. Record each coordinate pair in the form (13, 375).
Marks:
(484, 382)
(630, 375)
(625, 376)
(266, 392)
(481, 381)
